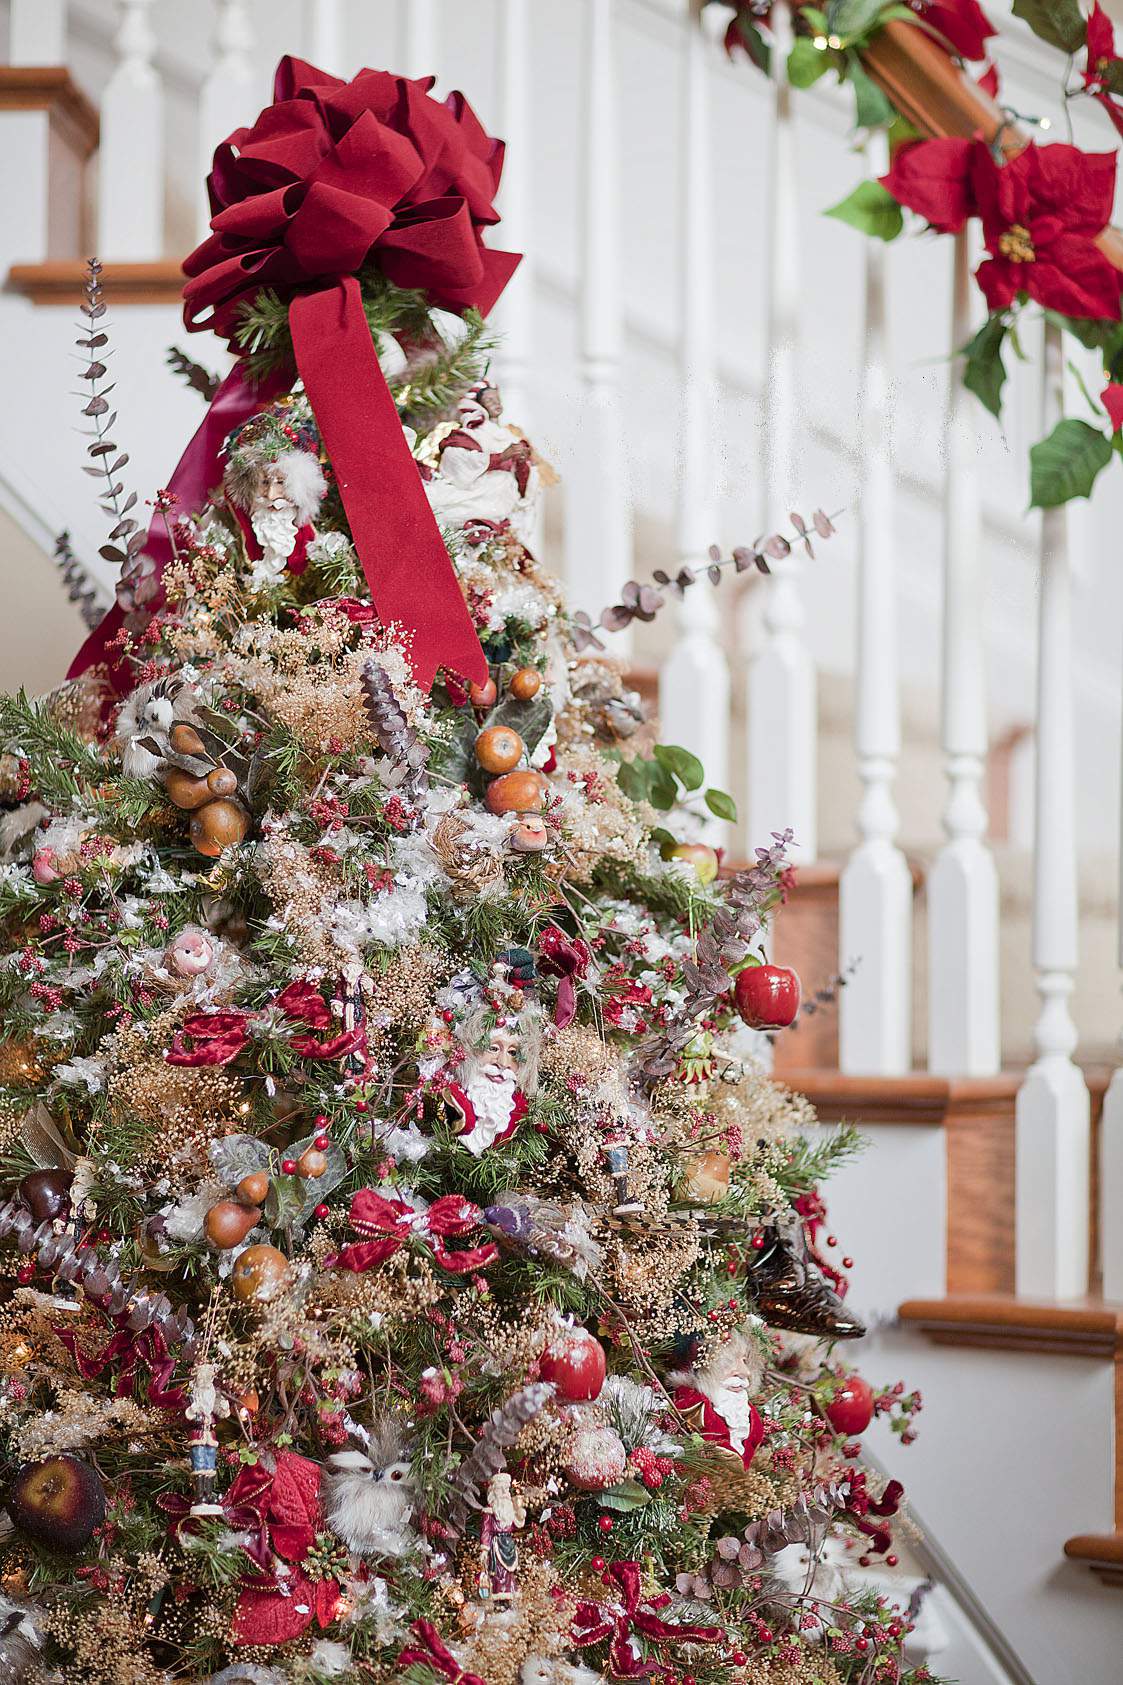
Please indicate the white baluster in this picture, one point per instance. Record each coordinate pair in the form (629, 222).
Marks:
(513, 315)
(37, 32)
(781, 686)
(226, 99)
(1053, 1126)
(1111, 1163)
(325, 35)
(131, 155)
(419, 38)
(694, 682)
(963, 1037)
(875, 894)
(598, 540)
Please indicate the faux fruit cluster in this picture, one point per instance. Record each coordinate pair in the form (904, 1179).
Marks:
(198, 782)
(515, 788)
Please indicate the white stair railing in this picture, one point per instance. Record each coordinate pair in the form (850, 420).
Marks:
(1053, 1126)
(963, 884)
(598, 538)
(325, 33)
(37, 32)
(514, 314)
(694, 688)
(130, 220)
(227, 96)
(781, 681)
(875, 892)
(419, 38)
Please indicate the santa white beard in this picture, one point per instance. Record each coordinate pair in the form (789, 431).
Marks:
(274, 527)
(493, 1103)
(733, 1406)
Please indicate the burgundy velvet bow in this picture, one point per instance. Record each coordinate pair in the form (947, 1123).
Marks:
(304, 1004)
(147, 1351)
(431, 1651)
(860, 1505)
(215, 1037)
(594, 1622)
(332, 177)
(390, 1222)
(565, 958)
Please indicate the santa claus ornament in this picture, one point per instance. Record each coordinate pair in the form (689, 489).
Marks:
(715, 1397)
(275, 484)
(488, 1102)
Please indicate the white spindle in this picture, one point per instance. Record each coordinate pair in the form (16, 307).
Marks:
(131, 155)
(781, 685)
(875, 894)
(963, 1036)
(325, 35)
(226, 99)
(514, 313)
(597, 511)
(1111, 1162)
(694, 682)
(419, 37)
(37, 32)
(1053, 1127)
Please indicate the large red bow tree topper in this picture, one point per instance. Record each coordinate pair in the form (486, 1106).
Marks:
(333, 178)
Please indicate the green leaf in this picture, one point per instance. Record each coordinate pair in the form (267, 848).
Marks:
(871, 209)
(687, 768)
(1065, 465)
(984, 372)
(872, 108)
(1060, 22)
(634, 778)
(806, 63)
(851, 18)
(1102, 336)
(1111, 75)
(662, 791)
(721, 805)
(628, 1494)
(754, 44)
(662, 838)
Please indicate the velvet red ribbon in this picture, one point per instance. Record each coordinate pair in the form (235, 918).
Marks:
(332, 177)
(566, 959)
(431, 1651)
(594, 1622)
(148, 1349)
(391, 1222)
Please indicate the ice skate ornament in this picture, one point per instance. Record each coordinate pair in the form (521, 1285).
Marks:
(489, 1105)
(275, 485)
(716, 1399)
(206, 1407)
(504, 1516)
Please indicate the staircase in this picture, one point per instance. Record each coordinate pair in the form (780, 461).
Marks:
(1016, 1481)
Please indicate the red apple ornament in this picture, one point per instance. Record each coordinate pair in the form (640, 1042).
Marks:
(767, 996)
(850, 1411)
(574, 1361)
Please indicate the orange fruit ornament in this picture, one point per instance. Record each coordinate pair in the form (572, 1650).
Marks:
(185, 790)
(525, 684)
(517, 792)
(218, 825)
(499, 749)
(228, 1223)
(482, 696)
(221, 781)
(185, 740)
(257, 1273)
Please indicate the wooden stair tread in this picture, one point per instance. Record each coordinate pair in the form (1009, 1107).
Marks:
(62, 280)
(1101, 1552)
(1001, 1322)
(914, 1098)
(51, 88)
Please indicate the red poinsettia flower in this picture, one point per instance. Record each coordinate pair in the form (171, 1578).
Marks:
(1041, 212)
(961, 25)
(1112, 400)
(933, 178)
(283, 1602)
(1099, 75)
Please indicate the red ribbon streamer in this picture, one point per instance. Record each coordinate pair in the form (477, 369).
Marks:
(566, 959)
(331, 177)
(594, 1623)
(430, 1650)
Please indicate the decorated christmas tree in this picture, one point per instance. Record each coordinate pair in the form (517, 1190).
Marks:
(411, 1272)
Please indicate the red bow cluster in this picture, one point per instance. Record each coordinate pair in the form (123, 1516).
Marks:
(146, 1351)
(595, 1622)
(390, 1223)
(216, 1038)
(431, 1651)
(568, 959)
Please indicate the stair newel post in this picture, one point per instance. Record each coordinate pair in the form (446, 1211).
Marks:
(875, 893)
(781, 679)
(419, 37)
(963, 1017)
(226, 98)
(130, 218)
(37, 32)
(694, 680)
(1111, 1161)
(326, 35)
(513, 316)
(1053, 1122)
(598, 538)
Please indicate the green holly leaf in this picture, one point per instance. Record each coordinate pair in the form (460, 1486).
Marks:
(1060, 22)
(721, 805)
(1065, 465)
(684, 766)
(872, 108)
(984, 372)
(806, 63)
(852, 18)
(871, 209)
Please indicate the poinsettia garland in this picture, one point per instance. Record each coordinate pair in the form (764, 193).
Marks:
(1042, 209)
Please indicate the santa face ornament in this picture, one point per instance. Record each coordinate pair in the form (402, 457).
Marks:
(488, 1106)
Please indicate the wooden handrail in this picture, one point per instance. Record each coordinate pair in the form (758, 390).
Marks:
(940, 100)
